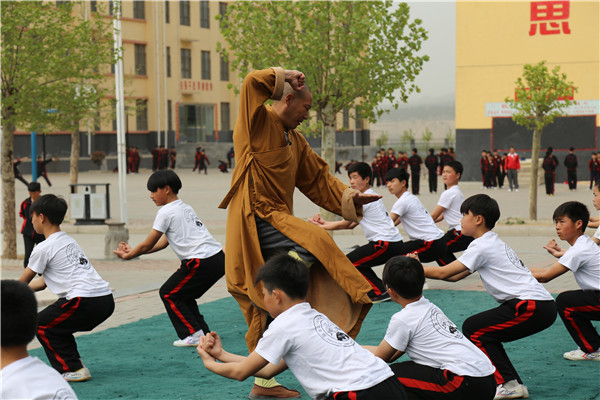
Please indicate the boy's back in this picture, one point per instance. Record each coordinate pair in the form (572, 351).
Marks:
(583, 259)
(414, 217)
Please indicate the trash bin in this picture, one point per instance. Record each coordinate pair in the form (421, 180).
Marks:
(88, 206)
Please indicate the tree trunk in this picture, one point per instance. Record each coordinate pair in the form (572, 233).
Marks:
(9, 231)
(328, 148)
(533, 189)
(74, 161)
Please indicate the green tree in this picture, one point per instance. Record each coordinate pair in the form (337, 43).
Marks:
(427, 136)
(355, 54)
(408, 138)
(51, 59)
(541, 96)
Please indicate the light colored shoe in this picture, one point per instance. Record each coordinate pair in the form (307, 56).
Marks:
(190, 341)
(517, 392)
(579, 355)
(516, 190)
(82, 374)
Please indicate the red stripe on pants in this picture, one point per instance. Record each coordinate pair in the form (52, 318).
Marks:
(448, 387)
(455, 238)
(176, 289)
(568, 311)
(426, 246)
(61, 318)
(383, 246)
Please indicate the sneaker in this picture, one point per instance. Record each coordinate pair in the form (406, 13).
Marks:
(516, 190)
(385, 296)
(190, 341)
(579, 355)
(518, 392)
(80, 375)
(275, 392)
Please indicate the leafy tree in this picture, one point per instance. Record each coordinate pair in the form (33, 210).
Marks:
(51, 59)
(427, 136)
(541, 95)
(408, 138)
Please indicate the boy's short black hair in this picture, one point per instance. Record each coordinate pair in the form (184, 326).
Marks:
(484, 205)
(431, 151)
(405, 275)
(363, 169)
(575, 211)
(54, 208)
(34, 187)
(571, 148)
(162, 178)
(19, 313)
(415, 150)
(456, 166)
(399, 173)
(285, 273)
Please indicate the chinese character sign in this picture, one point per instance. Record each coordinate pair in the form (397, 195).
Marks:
(552, 17)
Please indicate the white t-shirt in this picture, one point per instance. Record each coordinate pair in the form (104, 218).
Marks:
(596, 235)
(323, 358)
(502, 272)
(66, 270)
(30, 378)
(187, 235)
(415, 219)
(376, 222)
(428, 337)
(451, 199)
(583, 259)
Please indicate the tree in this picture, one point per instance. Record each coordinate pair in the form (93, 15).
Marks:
(48, 52)
(355, 54)
(541, 95)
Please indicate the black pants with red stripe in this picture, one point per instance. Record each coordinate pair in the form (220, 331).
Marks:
(549, 181)
(428, 251)
(455, 242)
(388, 389)
(179, 293)
(577, 309)
(423, 382)
(512, 320)
(415, 177)
(58, 322)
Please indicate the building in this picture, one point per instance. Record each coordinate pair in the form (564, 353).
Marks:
(493, 42)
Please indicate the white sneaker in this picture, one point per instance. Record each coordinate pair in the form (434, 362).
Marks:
(509, 189)
(516, 190)
(190, 341)
(518, 392)
(80, 375)
(579, 355)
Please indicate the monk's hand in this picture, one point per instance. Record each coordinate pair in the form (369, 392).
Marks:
(363, 198)
(295, 79)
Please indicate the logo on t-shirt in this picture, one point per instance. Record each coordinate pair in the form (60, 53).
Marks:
(76, 257)
(190, 217)
(514, 258)
(330, 333)
(444, 326)
(62, 394)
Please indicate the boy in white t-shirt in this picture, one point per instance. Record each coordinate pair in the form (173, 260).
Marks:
(326, 361)
(525, 308)
(448, 208)
(577, 308)
(427, 240)
(24, 376)
(595, 221)
(202, 257)
(444, 363)
(384, 239)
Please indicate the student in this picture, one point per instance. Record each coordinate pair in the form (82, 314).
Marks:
(30, 237)
(16, 171)
(431, 163)
(173, 157)
(484, 165)
(525, 308)
(427, 240)
(448, 208)
(415, 170)
(571, 164)
(324, 359)
(594, 166)
(202, 257)
(595, 221)
(499, 169)
(41, 168)
(512, 166)
(384, 239)
(84, 298)
(549, 165)
(577, 308)
(444, 363)
(24, 376)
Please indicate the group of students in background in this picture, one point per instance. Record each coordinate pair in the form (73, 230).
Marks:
(163, 158)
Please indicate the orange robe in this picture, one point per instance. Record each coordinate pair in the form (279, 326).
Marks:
(266, 174)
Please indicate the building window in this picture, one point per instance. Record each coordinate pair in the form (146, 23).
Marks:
(138, 9)
(169, 115)
(225, 127)
(167, 13)
(205, 65)
(140, 59)
(224, 69)
(204, 14)
(111, 5)
(93, 7)
(168, 62)
(346, 118)
(358, 123)
(222, 12)
(141, 117)
(184, 12)
(61, 3)
(186, 63)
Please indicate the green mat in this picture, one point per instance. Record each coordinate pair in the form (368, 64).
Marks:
(138, 361)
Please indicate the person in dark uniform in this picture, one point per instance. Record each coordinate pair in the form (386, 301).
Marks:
(571, 164)
(549, 165)
(41, 168)
(415, 162)
(431, 162)
(16, 171)
(30, 236)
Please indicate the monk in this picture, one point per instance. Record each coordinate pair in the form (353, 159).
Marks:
(272, 160)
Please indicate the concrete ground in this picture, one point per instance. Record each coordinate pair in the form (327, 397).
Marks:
(135, 283)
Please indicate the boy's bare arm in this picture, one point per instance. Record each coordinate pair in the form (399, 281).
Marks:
(452, 272)
(438, 213)
(126, 252)
(547, 274)
(27, 277)
(553, 248)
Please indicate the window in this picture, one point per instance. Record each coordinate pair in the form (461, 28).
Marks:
(168, 62)
(167, 13)
(204, 14)
(346, 118)
(141, 117)
(138, 9)
(61, 3)
(140, 59)
(357, 121)
(225, 127)
(186, 63)
(205, 65)
(222, 12)
(184, 12)
(224, 69)
(93, 7)
(111, 5)
(169, 115)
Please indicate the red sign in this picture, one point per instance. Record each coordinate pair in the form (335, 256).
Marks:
(551, 17)
(195, 86)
